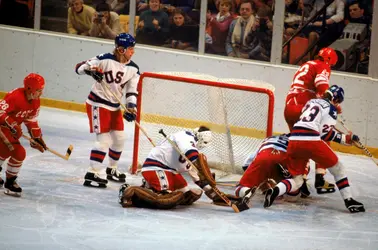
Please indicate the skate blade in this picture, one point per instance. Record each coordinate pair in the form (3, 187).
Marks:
(89, 184)
(325, 191)
(11, 193)
(111, 178)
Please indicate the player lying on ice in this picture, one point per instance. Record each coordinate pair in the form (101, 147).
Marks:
(165, 187)
(264, 169)
(19, 106)
(307, 141)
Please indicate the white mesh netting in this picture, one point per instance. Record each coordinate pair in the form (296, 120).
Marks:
(237, 117)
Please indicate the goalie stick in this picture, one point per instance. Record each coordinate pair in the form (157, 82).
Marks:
(216, 190)
(65, 157)
(358, 144)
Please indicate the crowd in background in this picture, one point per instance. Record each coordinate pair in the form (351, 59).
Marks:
(234, 28)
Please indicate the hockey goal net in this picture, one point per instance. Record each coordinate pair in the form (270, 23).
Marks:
(239, 112)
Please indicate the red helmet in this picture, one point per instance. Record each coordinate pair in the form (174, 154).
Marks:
(329, 56)
(33, 83)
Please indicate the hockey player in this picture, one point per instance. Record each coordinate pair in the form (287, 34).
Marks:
(311, 81)
(19, 106)
(306, 142)
(264, 168)
(165, 187)
(118, 72)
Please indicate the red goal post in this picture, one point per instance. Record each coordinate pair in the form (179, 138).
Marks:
(239, 112)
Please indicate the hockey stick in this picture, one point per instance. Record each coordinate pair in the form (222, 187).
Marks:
(227, 183)
(358, 144)
(216, 190)
(124, 107)
(6, 141)
(65, 157)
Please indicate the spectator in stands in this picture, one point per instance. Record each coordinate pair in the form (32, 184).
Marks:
(105, 23)
(17, 13)
(79, 18)
(334, 25)
(217, 28)
(153, 26)
(356, 13)
(183, 33)
(171, 5)
(260, 38)
(236, 44)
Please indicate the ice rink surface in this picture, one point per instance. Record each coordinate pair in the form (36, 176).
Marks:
(57, 212)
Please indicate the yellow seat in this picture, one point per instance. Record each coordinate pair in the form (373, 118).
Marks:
(125, 19)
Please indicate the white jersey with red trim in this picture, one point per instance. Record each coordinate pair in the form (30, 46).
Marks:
(278, 142)
(117, 75)
(318, 118)
(164, 156)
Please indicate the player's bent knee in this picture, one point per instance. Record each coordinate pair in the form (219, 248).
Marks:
(134, 196)
(337, 170)
(19, 153)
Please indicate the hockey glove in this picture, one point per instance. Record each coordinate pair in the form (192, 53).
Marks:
(96, 74)
(130, 113)
(39, 144)
(338, 109)
(13, 127)
(350, 138)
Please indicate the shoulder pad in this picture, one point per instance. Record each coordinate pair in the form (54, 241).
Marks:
(333, 112)
(106, 56)
(133, 64)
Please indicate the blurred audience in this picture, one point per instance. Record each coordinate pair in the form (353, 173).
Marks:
(217, 27)
(236, 42)
(80, 16)
(183, 33)
(153, 26)
(105, 23)
(17, 13)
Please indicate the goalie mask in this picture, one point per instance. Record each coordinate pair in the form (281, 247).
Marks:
(203, 136)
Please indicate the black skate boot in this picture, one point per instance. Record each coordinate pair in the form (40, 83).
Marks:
(354, 206)
(12, 188)
(93, 177)
(270, 196)
(304, 190)
(113, 174)
(244, 203)
(1, 179)
(322, 186)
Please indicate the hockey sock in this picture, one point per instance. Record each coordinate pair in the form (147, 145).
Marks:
(341, 180)
(116, 148)
(13, 167)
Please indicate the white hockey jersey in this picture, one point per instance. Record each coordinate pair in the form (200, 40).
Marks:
(165, 157)
(278, 142)
(117, 75)
(318, 118)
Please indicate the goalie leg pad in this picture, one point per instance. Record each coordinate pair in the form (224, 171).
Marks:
(134, 196)
(191, 196)
(204, 170)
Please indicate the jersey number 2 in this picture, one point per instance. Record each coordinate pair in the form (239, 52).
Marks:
(301, 72)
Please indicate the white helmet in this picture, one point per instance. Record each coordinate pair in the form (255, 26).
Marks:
(203, 136)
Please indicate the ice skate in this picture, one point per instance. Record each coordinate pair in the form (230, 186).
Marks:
(244, 204)
(322, 186)
(94, 177)
(354, 206)
(12, 188)
(113, 174)
(305, 192)
(270, 196)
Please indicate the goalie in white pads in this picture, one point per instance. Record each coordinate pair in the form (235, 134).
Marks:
(307, 141)
(118, 72)
(165, 187)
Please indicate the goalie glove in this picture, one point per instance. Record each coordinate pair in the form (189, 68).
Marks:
(95, 73)
(130, 113)
(37, 142)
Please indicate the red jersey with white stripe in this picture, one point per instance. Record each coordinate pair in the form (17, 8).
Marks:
(317, 120)
(164, 156)
(312, 76)
(16, 106)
